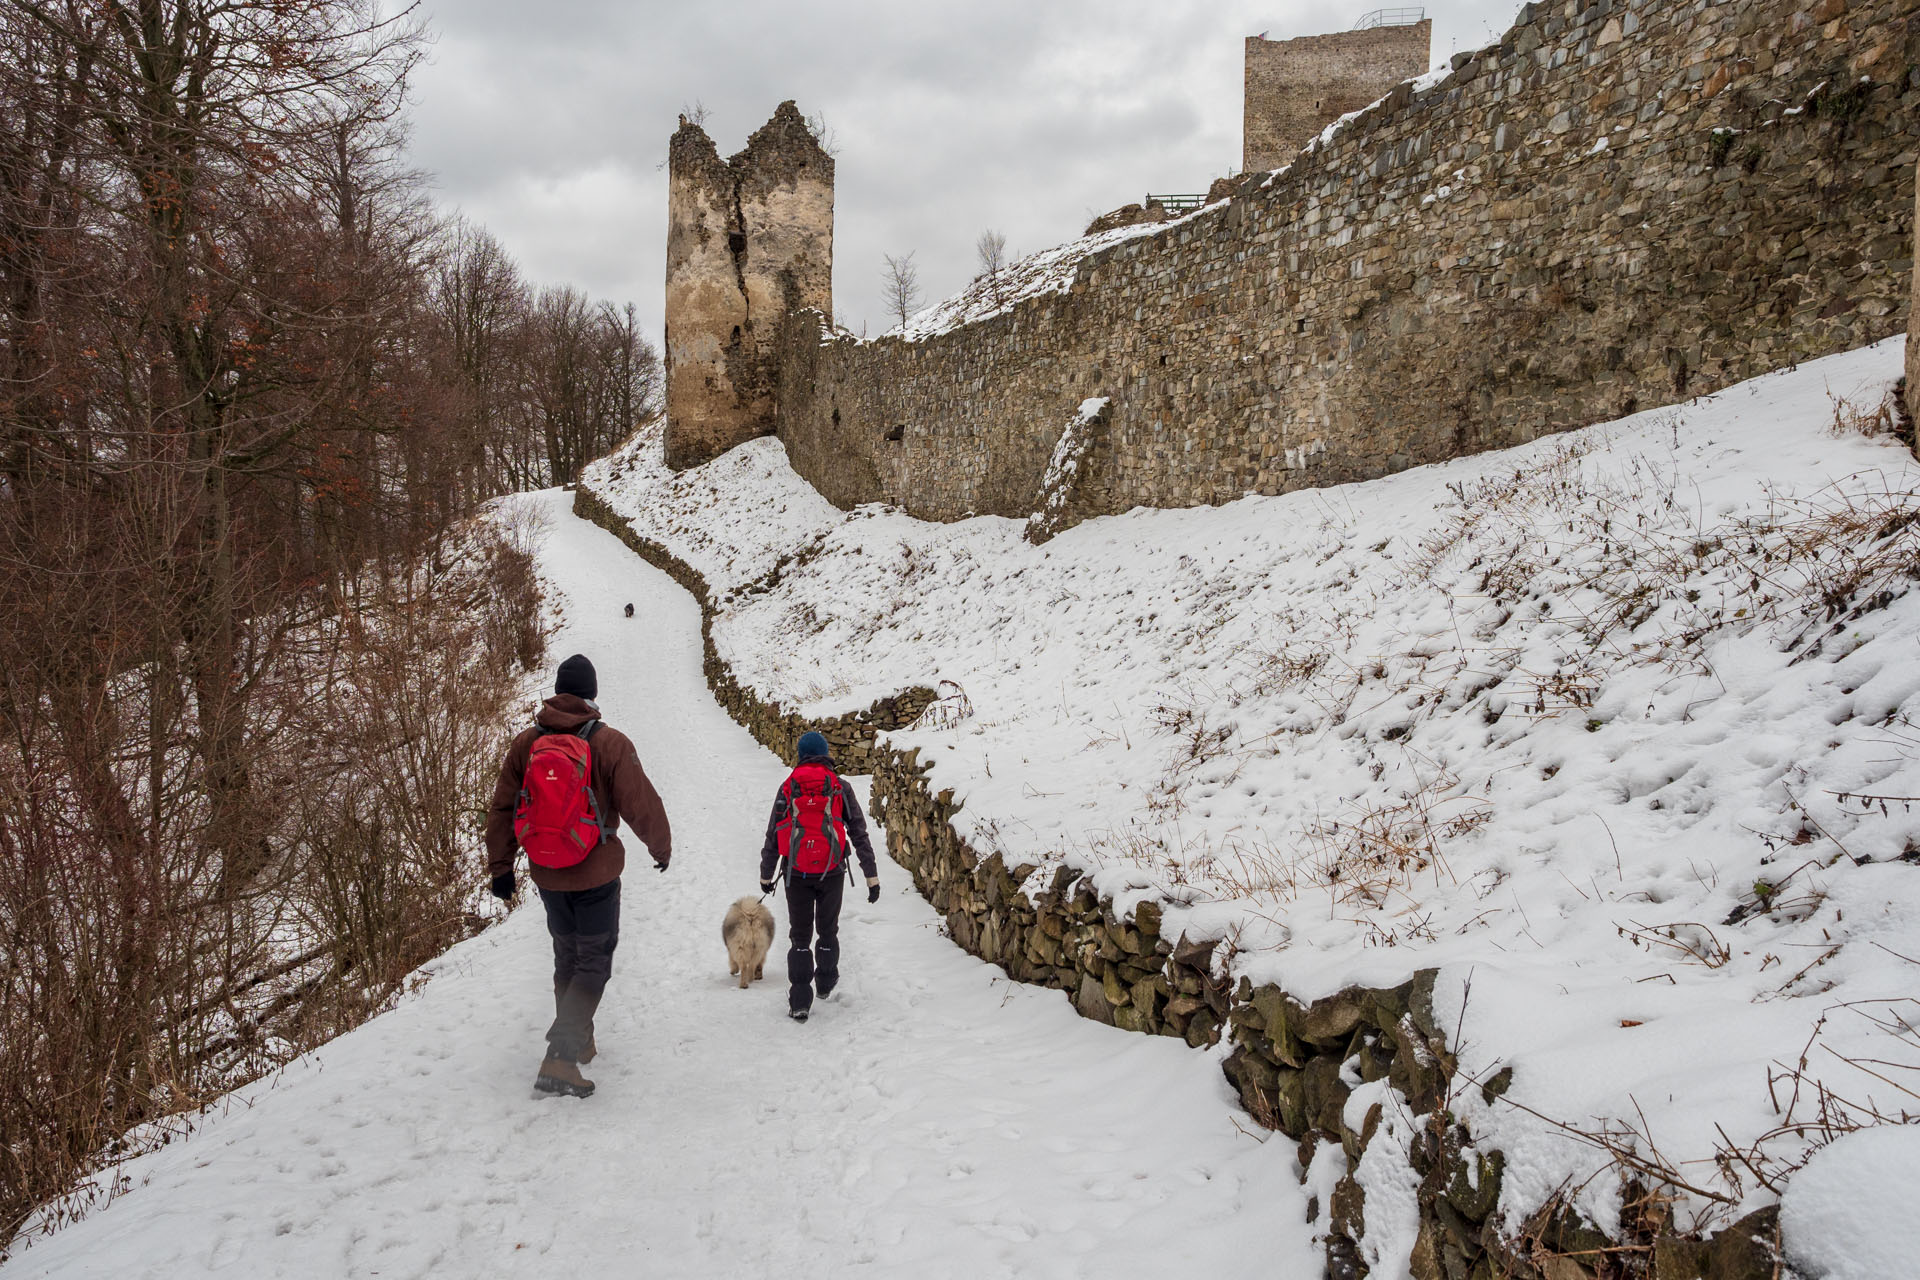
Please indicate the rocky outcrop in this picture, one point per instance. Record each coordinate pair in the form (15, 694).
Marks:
(1127, 215)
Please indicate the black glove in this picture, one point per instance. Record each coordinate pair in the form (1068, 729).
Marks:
(873, 893)
(502, 886)
(766, 887)
(660, 865)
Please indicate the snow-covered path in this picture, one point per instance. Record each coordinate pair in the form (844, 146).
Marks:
(933, 1120)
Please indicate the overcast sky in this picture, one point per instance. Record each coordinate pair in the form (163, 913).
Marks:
(548, 122)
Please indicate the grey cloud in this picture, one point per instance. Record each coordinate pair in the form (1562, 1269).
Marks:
(549, 123)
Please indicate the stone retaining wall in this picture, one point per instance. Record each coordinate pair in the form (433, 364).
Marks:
(1290, 1060)
(1623, 204)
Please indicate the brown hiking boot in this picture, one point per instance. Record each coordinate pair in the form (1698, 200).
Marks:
(559, 1078)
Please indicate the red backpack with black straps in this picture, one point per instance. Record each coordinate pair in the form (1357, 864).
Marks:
(813, 834)
(557, 820)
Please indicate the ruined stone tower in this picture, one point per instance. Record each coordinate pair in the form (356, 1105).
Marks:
(1296, 88)
(748, 240)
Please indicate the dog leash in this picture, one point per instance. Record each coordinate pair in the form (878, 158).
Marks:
(778, 876)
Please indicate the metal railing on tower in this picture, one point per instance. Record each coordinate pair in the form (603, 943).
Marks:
(1390, 18)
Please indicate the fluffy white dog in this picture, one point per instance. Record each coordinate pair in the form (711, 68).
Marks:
(748, 932)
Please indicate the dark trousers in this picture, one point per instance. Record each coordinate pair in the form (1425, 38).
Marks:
(585, 925)
(813, 921)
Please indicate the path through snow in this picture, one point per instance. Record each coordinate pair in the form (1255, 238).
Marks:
(934, 1120)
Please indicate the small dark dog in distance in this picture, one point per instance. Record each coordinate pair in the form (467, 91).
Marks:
(629, 611)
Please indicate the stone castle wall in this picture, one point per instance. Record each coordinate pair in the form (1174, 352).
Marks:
(748, 241)
(1623, 204)
(1295, 88)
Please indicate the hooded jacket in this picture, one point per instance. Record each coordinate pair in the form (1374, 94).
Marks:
(620, 789)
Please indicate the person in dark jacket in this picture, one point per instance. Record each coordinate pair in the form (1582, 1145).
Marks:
(813, 894)
(582, 901)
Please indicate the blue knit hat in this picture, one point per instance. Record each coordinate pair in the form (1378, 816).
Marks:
(813, 746)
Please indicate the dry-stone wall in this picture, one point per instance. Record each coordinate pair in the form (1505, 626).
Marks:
(1623, 204)
(1290, 1060)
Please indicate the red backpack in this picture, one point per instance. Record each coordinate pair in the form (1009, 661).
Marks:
(557, 820)
(813, 835)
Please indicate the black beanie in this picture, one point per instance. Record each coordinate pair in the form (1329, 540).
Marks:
(577, 677)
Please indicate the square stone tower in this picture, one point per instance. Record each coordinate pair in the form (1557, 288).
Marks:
(1296, 88)
(749, 240)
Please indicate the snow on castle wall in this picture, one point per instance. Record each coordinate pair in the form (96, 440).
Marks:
(1623, 204)
(748, 240)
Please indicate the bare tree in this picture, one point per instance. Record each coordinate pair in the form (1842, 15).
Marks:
(592, 376)
(823, 133)
(479, 306)
(992, 248)
(239, 365)
(900, 285)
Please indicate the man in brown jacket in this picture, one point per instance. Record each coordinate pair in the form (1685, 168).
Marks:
(583, 900)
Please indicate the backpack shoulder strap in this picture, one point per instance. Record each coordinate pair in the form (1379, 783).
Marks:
(587, 730)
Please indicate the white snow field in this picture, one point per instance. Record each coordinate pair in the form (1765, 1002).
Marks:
(1619, 729)
(931, 1120)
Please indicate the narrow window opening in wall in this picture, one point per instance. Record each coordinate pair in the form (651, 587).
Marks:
(836, 417)
(1300, 325)
(736, 243)
(736, 333)
(898, 433)
(1163, 362)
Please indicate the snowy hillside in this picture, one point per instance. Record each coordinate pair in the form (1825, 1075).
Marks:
(1620, 728)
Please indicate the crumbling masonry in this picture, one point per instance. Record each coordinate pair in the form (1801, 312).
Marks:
(749, 240)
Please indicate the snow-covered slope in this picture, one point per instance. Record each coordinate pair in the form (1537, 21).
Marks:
(1618, 728)
(1051, 270)
(931, 1121)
